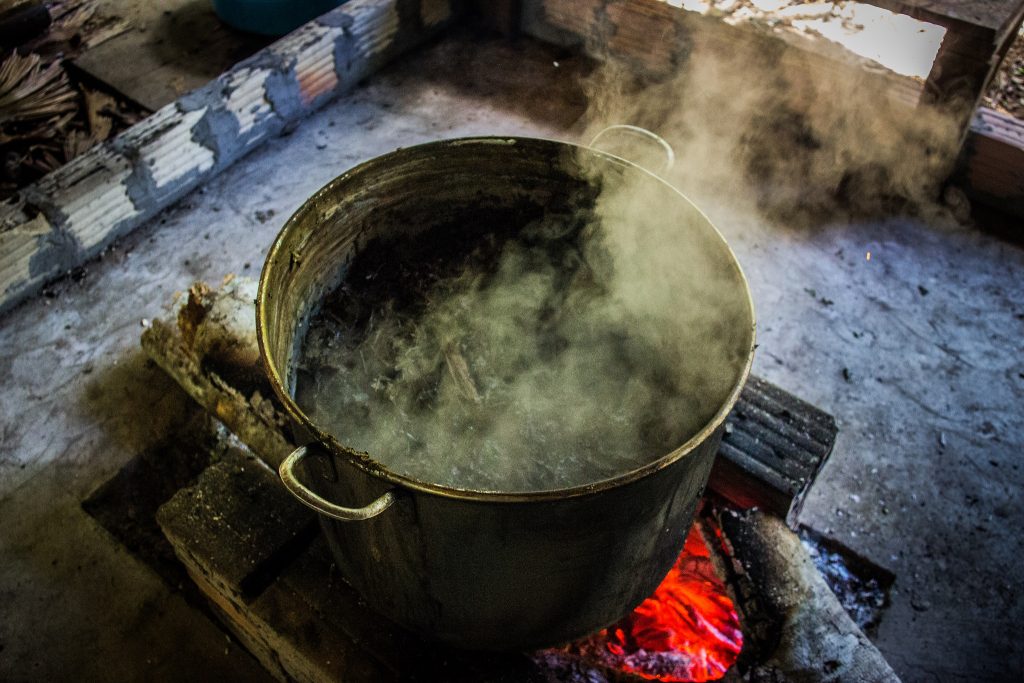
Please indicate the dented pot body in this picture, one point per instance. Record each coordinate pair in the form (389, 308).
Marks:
(484, 570)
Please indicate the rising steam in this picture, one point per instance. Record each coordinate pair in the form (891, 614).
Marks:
(785, 132)
(598, 339)
(591, 343)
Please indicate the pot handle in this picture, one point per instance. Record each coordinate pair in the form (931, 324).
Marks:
(670, 154)
(287, 473)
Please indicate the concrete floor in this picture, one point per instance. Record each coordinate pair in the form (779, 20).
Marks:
(924, 478)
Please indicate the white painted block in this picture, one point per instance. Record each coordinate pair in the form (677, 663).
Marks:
(248, 97)
(172, 153)
(312, 47)
(18, 245)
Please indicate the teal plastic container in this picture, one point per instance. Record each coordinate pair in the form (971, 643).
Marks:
(271, 17)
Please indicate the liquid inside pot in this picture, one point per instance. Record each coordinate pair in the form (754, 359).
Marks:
(498, 356)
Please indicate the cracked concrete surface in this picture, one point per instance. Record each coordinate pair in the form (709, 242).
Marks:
(917, 352)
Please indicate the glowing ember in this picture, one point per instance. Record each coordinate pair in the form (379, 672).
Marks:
(688, 630)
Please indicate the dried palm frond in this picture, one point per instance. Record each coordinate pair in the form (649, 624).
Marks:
(98, 108)
(78, 142)
(70, 14)
(29, 91)
(43, 158)
(43, 129)
(69, 24)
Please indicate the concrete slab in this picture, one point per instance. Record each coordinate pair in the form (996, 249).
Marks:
(924, 478)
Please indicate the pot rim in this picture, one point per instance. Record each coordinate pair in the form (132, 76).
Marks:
(368, 464)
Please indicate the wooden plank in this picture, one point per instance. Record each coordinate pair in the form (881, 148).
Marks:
(963, 67)
(655, 37)
(995, 17)
(117, 186)
(178, 347)
(991, 167)
(169, 49)
(228, 528)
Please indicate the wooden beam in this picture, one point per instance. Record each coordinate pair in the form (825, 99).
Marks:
(991, 168)
(177, 346)
(656, 37)
(995, 18)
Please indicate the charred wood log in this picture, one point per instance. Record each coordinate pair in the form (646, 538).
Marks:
(803, 632)
(209, 341)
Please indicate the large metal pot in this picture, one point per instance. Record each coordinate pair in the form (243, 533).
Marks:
(476, 569)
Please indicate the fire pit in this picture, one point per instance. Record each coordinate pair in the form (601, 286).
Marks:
(270, 578)
(257, 556)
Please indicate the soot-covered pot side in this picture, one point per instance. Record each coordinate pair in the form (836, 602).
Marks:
(477, 569)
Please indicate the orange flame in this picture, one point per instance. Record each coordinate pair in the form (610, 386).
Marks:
(688, 630)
